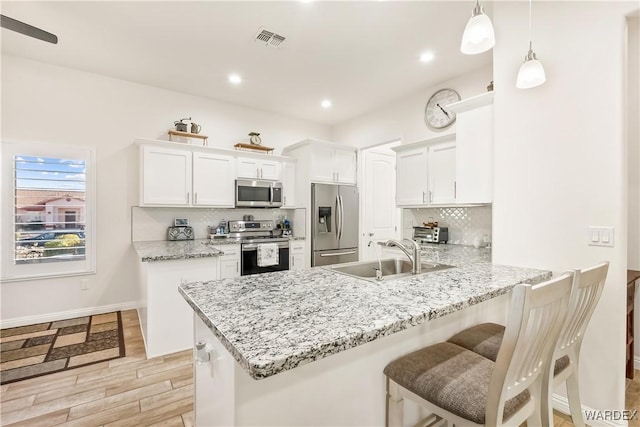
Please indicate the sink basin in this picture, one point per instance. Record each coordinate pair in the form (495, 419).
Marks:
(392, 268)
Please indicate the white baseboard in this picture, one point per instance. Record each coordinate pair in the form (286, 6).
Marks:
(636, 362)
(71, 314)
(561, 404)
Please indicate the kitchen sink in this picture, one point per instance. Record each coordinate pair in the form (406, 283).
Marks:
(392, 268)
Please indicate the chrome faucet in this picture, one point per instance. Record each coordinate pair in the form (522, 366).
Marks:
(412, 253)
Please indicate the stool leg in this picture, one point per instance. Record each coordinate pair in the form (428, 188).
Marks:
(546, 408)
(573, 394)
(535, 419)
(395, 405)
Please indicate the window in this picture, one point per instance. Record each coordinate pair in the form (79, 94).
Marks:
(47, 199)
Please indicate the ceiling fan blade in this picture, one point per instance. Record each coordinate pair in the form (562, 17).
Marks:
(26, 29)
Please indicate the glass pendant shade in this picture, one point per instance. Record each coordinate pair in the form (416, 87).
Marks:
(531, 72)
(478, 35)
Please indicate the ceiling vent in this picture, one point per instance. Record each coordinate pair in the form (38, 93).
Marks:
(269, 38)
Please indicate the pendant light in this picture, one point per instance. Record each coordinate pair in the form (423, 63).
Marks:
(531, 72)
(478, 35)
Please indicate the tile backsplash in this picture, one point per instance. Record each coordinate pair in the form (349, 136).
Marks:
(151, 223)
(464, 223)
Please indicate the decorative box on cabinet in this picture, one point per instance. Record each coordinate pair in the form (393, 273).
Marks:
(426, 172)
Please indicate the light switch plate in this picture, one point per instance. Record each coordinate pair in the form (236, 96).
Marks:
(600, 236)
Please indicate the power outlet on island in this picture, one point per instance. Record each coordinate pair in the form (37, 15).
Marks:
(600, 236)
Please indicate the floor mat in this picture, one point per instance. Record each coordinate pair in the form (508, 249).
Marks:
(45, 348)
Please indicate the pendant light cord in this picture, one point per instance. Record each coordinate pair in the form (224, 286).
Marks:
(530, 1)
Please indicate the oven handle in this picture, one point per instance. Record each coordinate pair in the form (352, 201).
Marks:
(246, 247)
(338, 253)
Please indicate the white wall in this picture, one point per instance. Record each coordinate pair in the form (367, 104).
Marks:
(560, 162)
(633, 134)
(404, 118)
(41, 102)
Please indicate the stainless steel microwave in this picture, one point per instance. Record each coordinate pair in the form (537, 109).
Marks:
(252, 193)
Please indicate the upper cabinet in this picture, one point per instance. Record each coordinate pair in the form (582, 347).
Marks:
(474, 152)
(249, 167)
(174, 174)
(426, 172)
(454, 169)
(289, 184)
(328, 162)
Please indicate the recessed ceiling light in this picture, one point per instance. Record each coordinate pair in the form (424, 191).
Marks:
(325, 103)
(235, 79)
(427, 57)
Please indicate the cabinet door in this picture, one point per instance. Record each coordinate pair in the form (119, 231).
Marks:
(442, 173)
(166, 176)
(411, 177)
(213, 180)
(248, 167)
(270, 169)
(474, 155)
(169, 317)
(322, 167)
(296, 254)
(229, 262)
(345, 166)
(289, 184)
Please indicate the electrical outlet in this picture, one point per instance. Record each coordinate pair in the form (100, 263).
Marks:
(600, 236)
(84, 284)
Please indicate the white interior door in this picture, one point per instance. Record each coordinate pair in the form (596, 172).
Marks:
(380, 217)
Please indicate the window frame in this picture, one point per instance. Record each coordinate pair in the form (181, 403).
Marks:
(11, 271)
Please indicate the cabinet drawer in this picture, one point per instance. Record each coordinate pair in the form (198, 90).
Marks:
(296, 247)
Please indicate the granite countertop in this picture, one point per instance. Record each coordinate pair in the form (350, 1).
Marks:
(162, 250)
(277, 321)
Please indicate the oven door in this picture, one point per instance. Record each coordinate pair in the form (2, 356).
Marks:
(249, 262)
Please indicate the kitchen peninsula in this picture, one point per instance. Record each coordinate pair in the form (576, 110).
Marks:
(308, 347)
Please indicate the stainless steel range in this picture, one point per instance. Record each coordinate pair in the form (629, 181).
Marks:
(262, 246)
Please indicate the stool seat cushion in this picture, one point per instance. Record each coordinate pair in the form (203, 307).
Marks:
(485, 339)
(451, 377)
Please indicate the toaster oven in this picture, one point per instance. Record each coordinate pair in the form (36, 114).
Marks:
(431, 234)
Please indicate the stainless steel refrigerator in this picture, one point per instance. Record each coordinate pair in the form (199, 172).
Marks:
(334, 224)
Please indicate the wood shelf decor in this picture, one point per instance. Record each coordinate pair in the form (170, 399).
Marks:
(243, 146)
(204, 138)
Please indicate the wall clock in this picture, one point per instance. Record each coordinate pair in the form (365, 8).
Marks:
(436, 114)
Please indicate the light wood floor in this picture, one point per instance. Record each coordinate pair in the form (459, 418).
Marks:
(130, 391)
(135, 391)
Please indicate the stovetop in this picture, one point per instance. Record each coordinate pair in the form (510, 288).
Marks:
(252, 232)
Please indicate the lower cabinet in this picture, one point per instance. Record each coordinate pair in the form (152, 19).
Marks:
(296, 254)
(166, 319)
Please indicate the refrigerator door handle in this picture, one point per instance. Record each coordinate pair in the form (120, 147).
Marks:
(341, 216)
(338, 253)
(337, 225)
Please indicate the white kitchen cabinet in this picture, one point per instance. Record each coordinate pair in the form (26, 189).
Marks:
(441, 168)
(165, 317)
(249, 167)
(166, 176)
(182, 177)
(327, 161)
(426, 172)
(212, 180)
(474, 148)
(296, 254)
(229, 263)
(288, 184)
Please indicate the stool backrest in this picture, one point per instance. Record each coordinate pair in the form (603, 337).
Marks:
(536, 315)
(584, 298)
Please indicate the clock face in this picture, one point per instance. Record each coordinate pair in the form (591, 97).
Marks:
(436, 114)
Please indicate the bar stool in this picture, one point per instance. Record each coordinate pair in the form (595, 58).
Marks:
(485, 339)
(462, 387)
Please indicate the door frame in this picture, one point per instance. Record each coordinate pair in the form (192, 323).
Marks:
(361, 187)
